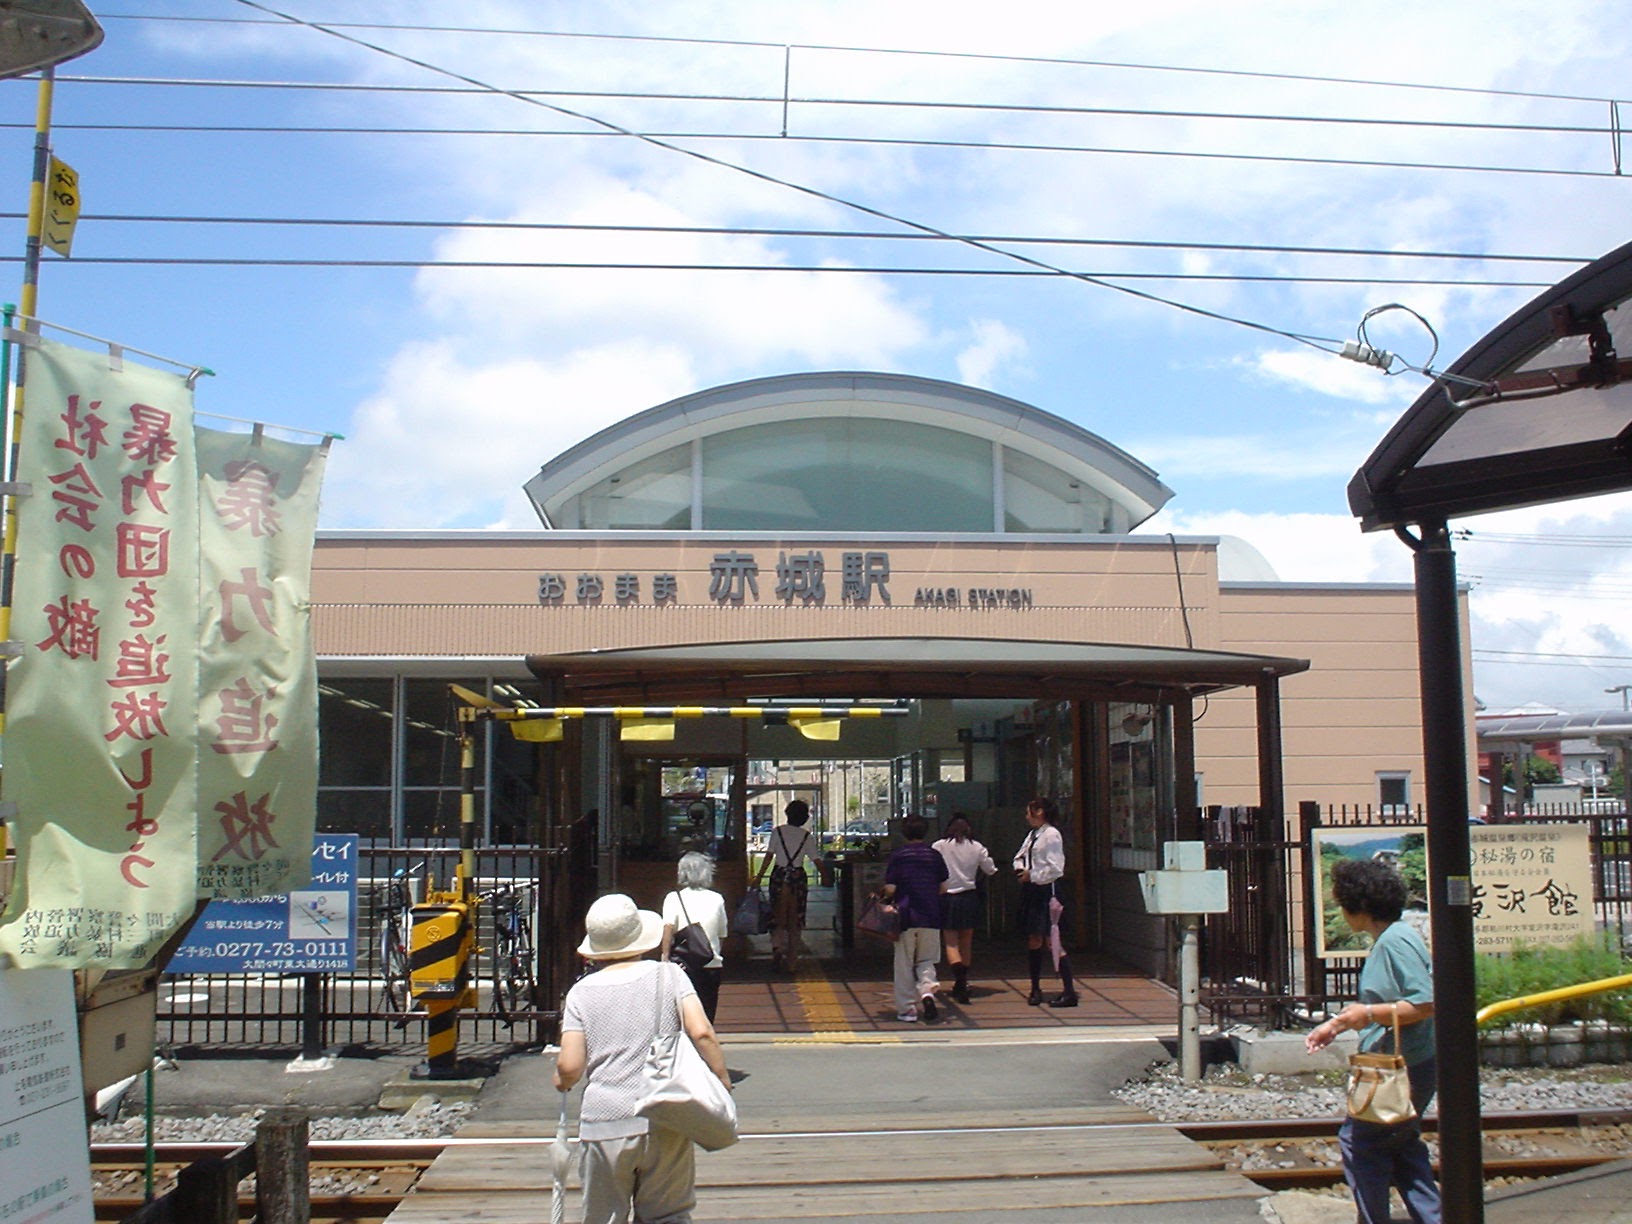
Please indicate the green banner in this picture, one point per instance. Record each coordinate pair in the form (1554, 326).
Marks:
(257, 765)
(101, 711)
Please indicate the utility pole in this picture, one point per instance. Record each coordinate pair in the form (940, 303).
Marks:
(1625, 690)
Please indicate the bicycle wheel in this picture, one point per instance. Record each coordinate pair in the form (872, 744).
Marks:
(394, 966)
(518, 972)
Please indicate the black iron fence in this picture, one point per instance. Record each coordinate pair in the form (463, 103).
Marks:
(1261, 963)
(370, 1007)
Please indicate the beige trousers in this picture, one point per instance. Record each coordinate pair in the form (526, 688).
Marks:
(655, 1173)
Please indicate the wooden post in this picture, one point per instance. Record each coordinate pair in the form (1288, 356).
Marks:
(282, 1165)
(207, 1192)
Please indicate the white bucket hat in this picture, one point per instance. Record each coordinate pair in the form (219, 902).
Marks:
(614, 927)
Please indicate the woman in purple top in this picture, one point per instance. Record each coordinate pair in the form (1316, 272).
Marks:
(914, 878)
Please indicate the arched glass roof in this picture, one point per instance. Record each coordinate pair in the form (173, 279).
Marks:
(846, 452)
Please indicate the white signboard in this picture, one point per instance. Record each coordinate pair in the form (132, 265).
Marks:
(45, 1158)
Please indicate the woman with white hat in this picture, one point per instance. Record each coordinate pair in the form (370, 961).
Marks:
(608, 1022)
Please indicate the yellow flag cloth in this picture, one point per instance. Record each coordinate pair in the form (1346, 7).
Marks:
(646, 729)
(818, 728)
(536, 730)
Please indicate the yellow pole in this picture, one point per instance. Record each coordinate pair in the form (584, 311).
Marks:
(30, 302)
(1621, 982)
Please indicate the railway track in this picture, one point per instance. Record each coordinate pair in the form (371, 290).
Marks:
(359, 1182)
(1302, 1154)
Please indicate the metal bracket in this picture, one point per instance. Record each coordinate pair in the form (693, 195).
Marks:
(11, 650)
(16, 488)
(25, 339)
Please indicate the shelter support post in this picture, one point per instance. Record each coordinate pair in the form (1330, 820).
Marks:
(1450, 889)
(1269, 873)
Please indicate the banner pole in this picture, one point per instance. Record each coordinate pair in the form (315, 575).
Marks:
(30, 301)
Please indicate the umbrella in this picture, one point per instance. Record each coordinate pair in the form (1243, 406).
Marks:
(1055, 946)
(560, 1158)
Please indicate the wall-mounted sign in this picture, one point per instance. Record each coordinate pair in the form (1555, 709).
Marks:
(1531, 883)
(311, 930)
(735, 579)
(45, 1163)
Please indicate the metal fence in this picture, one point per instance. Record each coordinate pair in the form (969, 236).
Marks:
(1260, 961)
(365, 1009)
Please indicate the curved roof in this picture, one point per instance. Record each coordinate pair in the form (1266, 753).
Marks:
(1080, 455)
(1526, 728)
(1537, 411)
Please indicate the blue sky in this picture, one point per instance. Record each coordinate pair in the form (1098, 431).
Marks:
(453, 384)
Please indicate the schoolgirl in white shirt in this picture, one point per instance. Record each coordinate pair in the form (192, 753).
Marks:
(1040, 863)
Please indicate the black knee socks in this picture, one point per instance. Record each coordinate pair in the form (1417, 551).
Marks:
(1035, 956)
(961, 973)
(1067, 986)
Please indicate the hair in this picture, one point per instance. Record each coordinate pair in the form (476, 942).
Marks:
(913, 828)
(958, 828)
(694, 871)
(797, 811)
(1367, 886)
(1046, 809)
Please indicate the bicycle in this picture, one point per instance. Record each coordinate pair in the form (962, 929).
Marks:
(513, 955)
(394, 918)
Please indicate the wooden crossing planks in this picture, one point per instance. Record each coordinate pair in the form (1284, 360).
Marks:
(872, 1174)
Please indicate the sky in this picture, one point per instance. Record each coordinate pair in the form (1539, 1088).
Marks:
(1200, 150)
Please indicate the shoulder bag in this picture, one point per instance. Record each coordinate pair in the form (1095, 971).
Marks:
(879, 917)
(1380, 1086)
(690, 949)
(679, 1092)
(753, 916)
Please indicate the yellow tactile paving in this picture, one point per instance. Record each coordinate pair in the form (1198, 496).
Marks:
(825, 1013)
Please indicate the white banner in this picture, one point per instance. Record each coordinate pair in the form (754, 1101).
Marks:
(101, 706)
(257, 767)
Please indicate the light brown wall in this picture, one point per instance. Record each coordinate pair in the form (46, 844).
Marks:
(1356, 710)
(417, 596)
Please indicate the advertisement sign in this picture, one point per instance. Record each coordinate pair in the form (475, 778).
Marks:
(1532, 883)
(310, 930)
(45, 1162)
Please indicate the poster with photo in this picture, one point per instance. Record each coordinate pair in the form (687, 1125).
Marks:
(1405, 847)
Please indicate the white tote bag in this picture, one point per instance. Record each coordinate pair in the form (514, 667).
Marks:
(681, 1093)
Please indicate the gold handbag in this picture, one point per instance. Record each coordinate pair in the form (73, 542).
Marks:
(1380, 1086)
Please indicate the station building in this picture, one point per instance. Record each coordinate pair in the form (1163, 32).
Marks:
(857, 538)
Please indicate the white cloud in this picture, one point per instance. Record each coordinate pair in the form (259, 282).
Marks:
(448, 442)
(1308, 369)
(993, 345)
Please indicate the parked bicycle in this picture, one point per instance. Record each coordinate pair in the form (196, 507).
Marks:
(393, 906)
(513, 953)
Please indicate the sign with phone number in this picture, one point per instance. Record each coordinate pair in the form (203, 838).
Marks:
(310, 930)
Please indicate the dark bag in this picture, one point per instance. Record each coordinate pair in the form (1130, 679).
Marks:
(753, 916)
(879, 917)
(690, 948)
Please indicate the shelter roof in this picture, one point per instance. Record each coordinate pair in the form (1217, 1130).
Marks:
(907, 667)
(1527, 728)
(1538, 411)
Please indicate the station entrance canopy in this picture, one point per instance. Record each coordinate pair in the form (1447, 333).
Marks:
(904, 667)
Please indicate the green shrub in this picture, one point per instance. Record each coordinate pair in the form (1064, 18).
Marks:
(1532, 969)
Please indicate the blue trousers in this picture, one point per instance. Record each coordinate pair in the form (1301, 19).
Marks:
(1376, 1157)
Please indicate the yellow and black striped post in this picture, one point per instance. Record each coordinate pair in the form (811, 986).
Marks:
(442, 942)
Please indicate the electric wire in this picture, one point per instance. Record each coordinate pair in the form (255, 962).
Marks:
(1099, 277)
(783, 232)
(927, 143)
(1322, 344)
(1032, 108)
(995, 57)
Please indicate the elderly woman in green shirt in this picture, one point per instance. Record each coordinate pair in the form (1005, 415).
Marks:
(1396, 984)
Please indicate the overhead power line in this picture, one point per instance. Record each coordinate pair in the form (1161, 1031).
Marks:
(1002, 146)
(784, 232)
(228, 261)
(1323, 344)
(789, 48)
(1033, 108)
